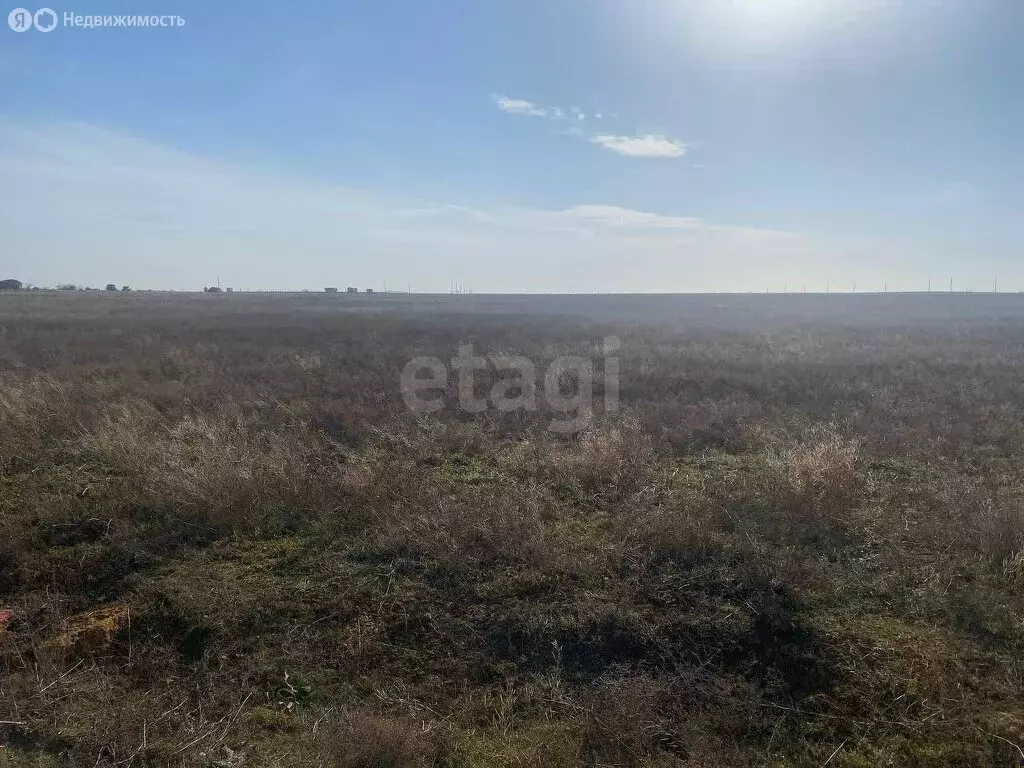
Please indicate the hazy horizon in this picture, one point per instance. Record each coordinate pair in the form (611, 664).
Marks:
(586, 147)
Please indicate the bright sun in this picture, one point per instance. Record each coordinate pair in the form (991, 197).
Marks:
(786, 11)
(772, 7)
(721, 29)
(774, 19)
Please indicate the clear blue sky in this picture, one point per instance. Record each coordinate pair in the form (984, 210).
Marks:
(539, 145)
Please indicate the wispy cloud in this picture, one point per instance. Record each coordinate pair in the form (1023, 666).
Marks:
(641, 146)
(628, 146)
(524, 107)
(612, 215)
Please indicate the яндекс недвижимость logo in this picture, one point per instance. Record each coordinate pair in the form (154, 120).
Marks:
(22, 19)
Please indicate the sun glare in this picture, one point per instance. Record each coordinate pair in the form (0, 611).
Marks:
(782, 21)
(774, 8)
(779, 13)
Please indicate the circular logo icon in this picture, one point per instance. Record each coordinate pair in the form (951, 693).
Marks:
(20, 20)
(45, 19)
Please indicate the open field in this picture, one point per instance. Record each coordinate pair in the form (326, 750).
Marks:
(226, 541)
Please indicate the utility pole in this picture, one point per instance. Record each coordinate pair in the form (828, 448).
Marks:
(929, 285)
(995, 286)
(951, 285)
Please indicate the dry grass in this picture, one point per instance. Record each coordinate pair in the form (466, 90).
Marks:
(788, 549)
(614, 457)
(414, 516)
(1000, 530)
(220, 469)
(371, 741)
(33, 412)
(817, 475)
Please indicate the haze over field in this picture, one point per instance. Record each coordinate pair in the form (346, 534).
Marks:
(531, 146)
(733, 532)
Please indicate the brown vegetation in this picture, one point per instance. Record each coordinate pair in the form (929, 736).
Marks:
(225, 542)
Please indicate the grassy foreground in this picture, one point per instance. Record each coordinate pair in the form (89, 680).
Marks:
(225, 541)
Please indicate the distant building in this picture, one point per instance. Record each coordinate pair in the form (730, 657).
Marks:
(330, 290)
(350, 289)
(369, 290)
(229, 290)
(10, 285)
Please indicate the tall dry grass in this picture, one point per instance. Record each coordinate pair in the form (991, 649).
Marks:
(412, 513)
(984, 516)
(223, 469)
(34, 413)
(365, 740)
(817, 475)
(613, 459)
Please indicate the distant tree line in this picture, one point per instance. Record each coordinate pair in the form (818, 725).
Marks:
(11, 284)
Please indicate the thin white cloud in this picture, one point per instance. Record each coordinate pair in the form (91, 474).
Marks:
(612, 215)
(641, 146)
(628, 146)
(524, 107)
